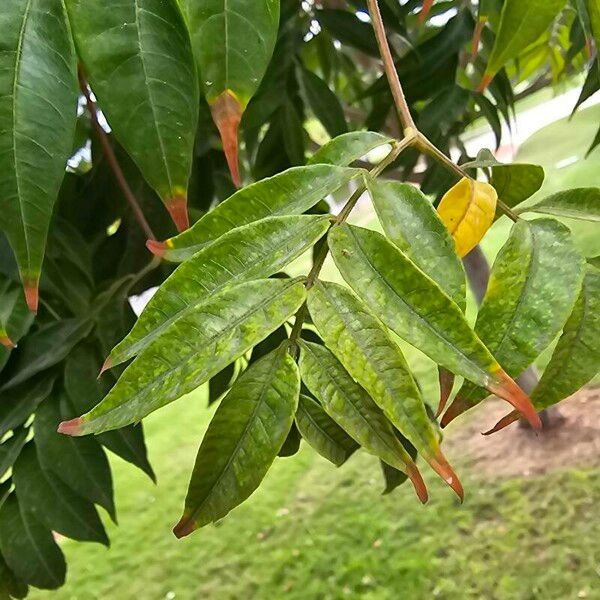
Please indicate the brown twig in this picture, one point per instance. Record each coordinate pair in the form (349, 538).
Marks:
(112, 159)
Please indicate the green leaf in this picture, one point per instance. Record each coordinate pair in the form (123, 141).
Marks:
(415, 308)
(521, 23)
(192, 350)
(47, 347)
(517, 182)
(323, 433)
(374, 361)
(10, 585)
(85, 391)
(242, 440)
(412, 224)
(54, 503)
(348, 29)
(293, 133)
(290, 193)
(38, 104)
(254, 251)
(80, 463)
(220, 383)
(138, 59)
(576, 358)
(344, 149)
(351, 407)
(577, 203)
(323, 102)
(15, 321)
(18, 404)
(11, 448)
(291, 444)
(29, 548)
(233, 41)
(533, 286)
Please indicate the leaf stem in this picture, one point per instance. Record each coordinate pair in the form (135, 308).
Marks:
(112, 159)
(417, 139)
(397, 148)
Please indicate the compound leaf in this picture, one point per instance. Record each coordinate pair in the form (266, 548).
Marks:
(577, 203)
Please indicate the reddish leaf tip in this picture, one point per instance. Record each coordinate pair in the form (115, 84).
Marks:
(184, 527)
(508, 390)
(454, 410)
(477, 37)
(502, 423)
(177, 207)
(427, 4)
(485, 81)
(417, 480)
(227, 114)
(72, 427)
(157, 248)
(32, 295)
(105, 367)
(446, 380)
(7, 342)
(442, 467)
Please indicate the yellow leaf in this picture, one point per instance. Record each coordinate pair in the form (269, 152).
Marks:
(468, 210)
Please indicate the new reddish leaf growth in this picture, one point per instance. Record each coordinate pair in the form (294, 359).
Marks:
(72, 427)
(504, 422)
(6, 341)
(227, 114)
(417, 480)
(157, 248)
(446, 380)
(32, 295)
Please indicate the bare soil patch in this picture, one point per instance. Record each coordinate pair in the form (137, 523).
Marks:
(516, 451)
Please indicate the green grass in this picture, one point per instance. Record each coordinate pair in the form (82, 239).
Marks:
(316, 532)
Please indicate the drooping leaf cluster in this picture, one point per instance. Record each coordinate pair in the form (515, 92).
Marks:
(198, 97)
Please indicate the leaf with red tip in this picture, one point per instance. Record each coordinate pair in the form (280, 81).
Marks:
(193, 349)
(227, 114)
(481, 22)
(374, 360)
(242, 440)
(233, 42)
(138, 59)
(351, 407)
(292, 192)
(38, 115)
(427, 4)
(534, 283)
(256, 250)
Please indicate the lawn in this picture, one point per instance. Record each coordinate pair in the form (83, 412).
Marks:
(316, 532)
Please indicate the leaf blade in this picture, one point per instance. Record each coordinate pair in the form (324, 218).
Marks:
(242, 440)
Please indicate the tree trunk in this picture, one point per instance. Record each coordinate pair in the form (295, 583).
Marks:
(478, 275)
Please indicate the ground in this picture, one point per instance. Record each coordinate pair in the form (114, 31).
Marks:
(528, 529)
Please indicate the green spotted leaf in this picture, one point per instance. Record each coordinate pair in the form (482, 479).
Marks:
(517, 182)
(28, 547)
(411, 222)
(577, 203)
(138, 59)
(80, 463)
(54, 503)
(243, 439)
(344, 149)
(323, 433)
(576, 358)
(38, 111)
(289, 193)
(85, 390)
(254, 251)
(533, 286)
(521, 23)
(192, 350)
(410, 303)
(374, 360)
(350, 406)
